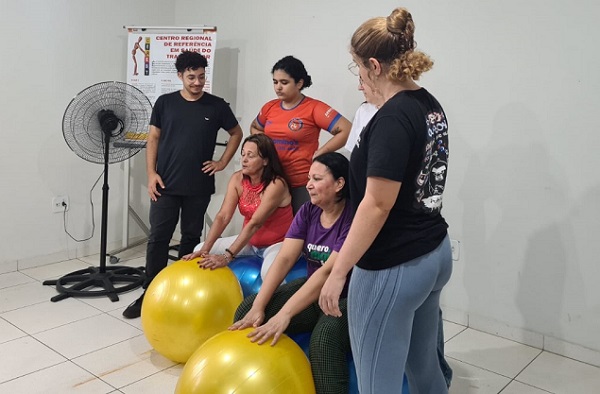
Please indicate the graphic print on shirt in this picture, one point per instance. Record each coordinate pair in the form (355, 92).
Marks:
(431, 180)
(318, 253)
(358, 138)
(285, 145)
(295, 124)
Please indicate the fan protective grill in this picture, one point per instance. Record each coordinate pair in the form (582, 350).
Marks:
(81, 126)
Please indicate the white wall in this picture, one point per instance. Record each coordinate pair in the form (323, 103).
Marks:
(51, 51)
(519, 82)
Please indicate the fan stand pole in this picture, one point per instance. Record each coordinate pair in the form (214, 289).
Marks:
(99, 281)
(104, 225)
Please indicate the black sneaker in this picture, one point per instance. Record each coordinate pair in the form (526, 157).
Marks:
(134, 309)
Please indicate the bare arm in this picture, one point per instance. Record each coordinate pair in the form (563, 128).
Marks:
(284, 261)
(255, 128)
(309, 292)
(151, 157)
(370, 216)
(340, 132)
(306, 295)
(235, 137)
(222, 218)
(272, 198)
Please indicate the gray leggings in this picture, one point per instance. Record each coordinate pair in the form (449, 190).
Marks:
(393, 317)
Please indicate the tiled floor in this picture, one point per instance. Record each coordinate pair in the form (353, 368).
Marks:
(83, 345)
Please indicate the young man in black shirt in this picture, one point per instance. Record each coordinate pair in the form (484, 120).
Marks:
(180, 165)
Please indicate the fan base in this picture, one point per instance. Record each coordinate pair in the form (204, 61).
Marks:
(96, 282)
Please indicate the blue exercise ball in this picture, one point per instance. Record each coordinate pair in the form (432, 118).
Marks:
(303, 340)
(297, 271)
(247, 270)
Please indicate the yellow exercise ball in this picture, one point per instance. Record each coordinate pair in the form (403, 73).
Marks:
(230, 363)
(185, 305)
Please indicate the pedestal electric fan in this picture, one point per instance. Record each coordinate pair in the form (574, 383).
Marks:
(103, 125)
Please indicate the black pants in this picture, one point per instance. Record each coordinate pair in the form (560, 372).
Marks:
(164, 215)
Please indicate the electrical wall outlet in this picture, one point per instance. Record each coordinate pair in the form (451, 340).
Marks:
(60, 204)
(455, 245)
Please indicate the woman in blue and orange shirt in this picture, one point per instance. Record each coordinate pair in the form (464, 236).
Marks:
(294, 122)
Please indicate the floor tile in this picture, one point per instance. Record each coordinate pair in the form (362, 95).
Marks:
(11, 279)
(73, 380)
(106, 305)
(8, 331)
(451, 330)
(93, 259)
(133, 253)
(561, 375)
(8, 266)
(573, 351)
(118, 313)
(109, 354)
(489, 352)
(23, 356)
(47, 315)
(139, 261)
(56, 270)
(520, 388)
(159, 383)
(88, 335)
(41, 260)
(468, 379)
(124, 363)
(27, 294)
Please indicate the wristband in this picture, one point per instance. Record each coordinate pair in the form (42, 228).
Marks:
(230, 252)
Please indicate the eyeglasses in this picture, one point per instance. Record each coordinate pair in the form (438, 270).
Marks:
(353, 68)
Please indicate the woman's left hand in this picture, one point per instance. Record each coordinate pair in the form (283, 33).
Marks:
(213, 261)
(273, 328)
(329, 300)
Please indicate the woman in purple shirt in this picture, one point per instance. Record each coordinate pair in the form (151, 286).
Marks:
(318, 231)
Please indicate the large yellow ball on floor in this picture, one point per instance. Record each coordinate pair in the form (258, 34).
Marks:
(230, 363)
(185, 305)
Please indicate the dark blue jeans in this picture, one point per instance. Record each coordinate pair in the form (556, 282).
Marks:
(164, 216)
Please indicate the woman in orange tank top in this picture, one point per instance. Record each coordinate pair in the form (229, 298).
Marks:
(261, 193)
